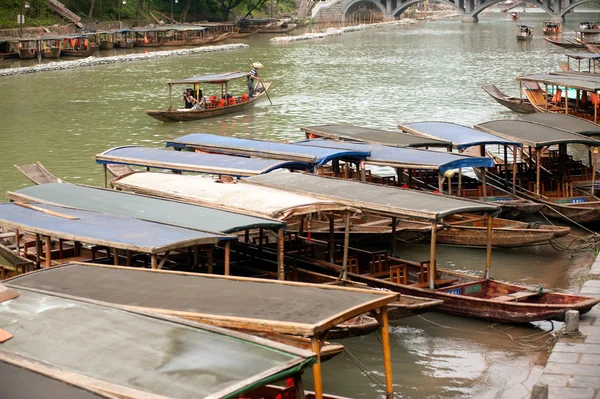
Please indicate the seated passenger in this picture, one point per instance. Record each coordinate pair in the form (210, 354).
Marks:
(200, 103)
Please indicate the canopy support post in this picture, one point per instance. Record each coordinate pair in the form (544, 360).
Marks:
(105, 175)
(260, 238)
(592, 151)
(48, 252)
(387, 354)
(459, 193)
(115, 254)
(196, 255)
(432, 255)
(346, 245)
(154, 261)
(488, 251)
(483, 183)
(331, 239)
(227, 257)
(596, 109)
(38, 250)
(363, 171)
(299, 384)
(209, 260)
(537, 171)
(317, 377)
(170, 88)
(394, 221)
(440, 183)
(280, 254)
(506, 165)
(514, 176)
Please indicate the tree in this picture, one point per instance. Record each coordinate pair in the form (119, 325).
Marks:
(227, 6)
(91, 13)
(137, 12)
(186, 8)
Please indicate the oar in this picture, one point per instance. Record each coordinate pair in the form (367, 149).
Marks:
(261, 82)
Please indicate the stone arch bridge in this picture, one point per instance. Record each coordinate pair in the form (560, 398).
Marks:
(469, 9)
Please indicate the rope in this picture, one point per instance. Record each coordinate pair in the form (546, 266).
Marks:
(365, 370)
(572, 221)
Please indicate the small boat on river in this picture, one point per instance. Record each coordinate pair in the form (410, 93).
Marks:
(28, 48)
(513, 103)
(50, 46)
(551, 28)
(106, 39)
(149, 37)
(524, 32)
(566, 43)
(226, 105)
(124, 38)
(78, 46)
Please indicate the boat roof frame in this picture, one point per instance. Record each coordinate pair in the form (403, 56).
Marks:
(217, 78)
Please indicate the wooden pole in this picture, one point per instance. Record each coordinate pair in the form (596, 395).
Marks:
(537, 172)
(170, 86)
(387, 353)
(483, 183)
(227, 257)
(363, 171)
(594, 159)
(394, 221)
(128, 258)
(440, 183)
(17, 242)
(346, 245)
(115, 256)
(48, 251)
(488, 252)
(209, 260)
(514, 177)
(154, 261)
(105, 175)
(317, 377)
(432, 255)
(196, 255)
(280, 254)
(38, 251)
(260, 239)
(331, 239)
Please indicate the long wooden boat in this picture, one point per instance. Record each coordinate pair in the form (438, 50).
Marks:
(569, 43)
(27, 53)
(239, 104)
(221, 37)
(106, 45)
(91, 50)
(150, 43)
(524, 32)
(52, 52)
(37, 173)
(127, 43)
(513, 103)
(241, 35)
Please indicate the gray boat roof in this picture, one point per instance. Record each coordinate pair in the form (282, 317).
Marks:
(285, 307)
(533, 134)
(113, 231)
(193, 161)
(27, 384)
(368, 135)
(265, 149)
(140, 355)
(572, 81)
(460, 136)
(392, 201)
(142, 207)
(402, 157)
(569, 123)
(216, 78)
(583, 56)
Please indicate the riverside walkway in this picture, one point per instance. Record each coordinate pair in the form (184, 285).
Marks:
(573, 369)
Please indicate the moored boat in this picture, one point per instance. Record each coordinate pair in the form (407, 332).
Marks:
(106, 40)
(51, 47)
(567, 43)
(78, 46)
(124, 38)
(513, 103)
(149, 37)
(28, 48)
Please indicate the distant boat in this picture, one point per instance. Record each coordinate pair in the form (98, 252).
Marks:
(524, 32)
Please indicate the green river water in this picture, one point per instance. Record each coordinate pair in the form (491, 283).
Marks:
(375, 78)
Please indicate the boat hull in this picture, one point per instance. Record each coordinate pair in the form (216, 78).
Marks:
(501, 238)
(512, 103)
(565, 44)
(519, 211)
(26, 54)
(80, 53)
(183, 116)
(128, 44)
(106, 45)
(52, 53)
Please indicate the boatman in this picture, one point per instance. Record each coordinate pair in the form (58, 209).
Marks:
(250, 80)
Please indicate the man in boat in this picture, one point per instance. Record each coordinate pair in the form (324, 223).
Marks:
(187, 98)
(250, 81)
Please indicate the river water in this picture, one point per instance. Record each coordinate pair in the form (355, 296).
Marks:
(375, 78)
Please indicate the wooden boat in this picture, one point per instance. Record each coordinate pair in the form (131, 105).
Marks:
(124, 38)
(513, 103)
(244, 34)
(568, 43)
(149, 37)
(37, 173)
(239, 104)
(28, 48)
(551, 28)
(106, 40)
(17, 263)
(52, 52)
(524, 32)
(9, 49)
(471, 230)
(278, 27)
(50, 46)
(221, 37)
(514, 16)
(79, 46)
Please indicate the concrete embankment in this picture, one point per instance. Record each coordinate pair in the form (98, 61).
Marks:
(93, 61)
(573, 368)
(329, 32)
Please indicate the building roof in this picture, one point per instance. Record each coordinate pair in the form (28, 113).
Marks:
(140, 355)
(375, 136)
(113, 231)
(141, 207)
(569, 123)
(460, 136)
(374, 198)
(193, 161)
(260, 304)
(246, 198)
(401, 157)
(533, 134)
(265, 149)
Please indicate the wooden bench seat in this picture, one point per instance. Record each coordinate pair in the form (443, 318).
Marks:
(515, 296)
(438, 283)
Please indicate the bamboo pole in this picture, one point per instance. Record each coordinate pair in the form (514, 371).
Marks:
(227, 257)
(317, 377)
(48, 251)
(488, 251)
(432, 255)
(483, 183)
(363, 171)
(387, 353)
(594, 160)
(280, 254)
(38, 251)
(537, 172)
(346, 245)
(154, 261)
(115, 256)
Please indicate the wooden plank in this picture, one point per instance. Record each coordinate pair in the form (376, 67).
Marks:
(516, 296)
(4, 336)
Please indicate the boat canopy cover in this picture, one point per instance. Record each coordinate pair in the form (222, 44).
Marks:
(142, 207)
(217, 78)
(569, 123)
(28, 384)
(301, 308)
(246, 198)
(533, 134)
(571, 81)
(193, 161)
(375, 136)
(103, 229)
(236, 146)
(141, 356)
(410, 158)
(461, 137)
(386, 200)
(183, 28)
(584, 56)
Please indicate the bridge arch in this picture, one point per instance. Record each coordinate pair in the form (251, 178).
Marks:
(354, 2)
(404, 5)
(568, 8)
(477, 10)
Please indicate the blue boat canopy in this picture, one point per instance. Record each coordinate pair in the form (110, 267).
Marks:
(142, 207)
(460, 136)
(316, 156)
(103, 229)
(402, 157)
(194, 161)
